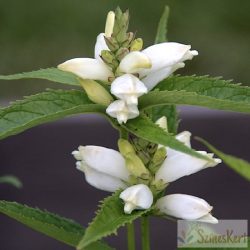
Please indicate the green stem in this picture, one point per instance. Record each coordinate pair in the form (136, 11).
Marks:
(145, 233)
(131, 236)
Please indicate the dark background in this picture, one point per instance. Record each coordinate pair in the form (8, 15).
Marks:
(41, 34)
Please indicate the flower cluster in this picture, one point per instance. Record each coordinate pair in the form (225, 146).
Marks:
(124, 68)
(110, 170)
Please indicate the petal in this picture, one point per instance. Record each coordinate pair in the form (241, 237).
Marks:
(166, 55)
(100, 180)
(162, 123)
(183, 206)
(128, 88)
(87, 68)
(134, 61)
(137, 197)
(105, 160)
(154, 77)
(99, 46)
(208, 219)
(120, 110)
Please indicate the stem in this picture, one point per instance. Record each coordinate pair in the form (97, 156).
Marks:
(123, 134)
(131, 236)
(145, 233)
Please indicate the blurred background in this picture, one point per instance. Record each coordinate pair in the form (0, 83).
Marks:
(42, 34)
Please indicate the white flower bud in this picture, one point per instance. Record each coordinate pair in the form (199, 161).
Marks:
(104, 168)
(110, 22)
(128, 88)
(178, 164)
(87, 68)
(121, 111)
(136, 197)
(100, 45)
(134, 61)
(186, 207)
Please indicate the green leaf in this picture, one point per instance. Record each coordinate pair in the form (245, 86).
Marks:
(51, 74)
(52, 225)
(161, 35)
(165, 110)
(12, 180)
(240, 166)
(108, 219)
(202, 91)
(146, 129)
(158, 98)
(44, 107)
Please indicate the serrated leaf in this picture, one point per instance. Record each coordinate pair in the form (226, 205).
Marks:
(12, 180)
(158, 98)
(52, 225)
(44, 107)
(109, 218)
(240, 166)
(51, 74)
(146, 129)
(161, 35)
(205, 91)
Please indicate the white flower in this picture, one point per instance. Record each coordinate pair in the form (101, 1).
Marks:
(128, 88)
(178, 164)
(137, 197)
(186, 207)
(157, 62)
(104, 168)
(120, 110)
(165, 59)
(90, 68)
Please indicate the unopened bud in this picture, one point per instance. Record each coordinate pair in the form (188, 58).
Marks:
(111, 43)
(136, 45)
(158, 159)
(96, 93)
(121, 53)
(136, 167)
(125, 147)
(110, 21)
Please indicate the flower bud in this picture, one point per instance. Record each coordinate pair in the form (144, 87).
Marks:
(134, 61)
(120, 110)
(121, 53)
(137, 197)
(186, 207)
(158, 159)
(136, 45)
(110, 21)
(136, 167)
(96, 92)
(128, 88)
(125, 147)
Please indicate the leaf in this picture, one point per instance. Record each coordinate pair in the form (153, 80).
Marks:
(161, 35)
(12, 180)
(51, 74)
(240, 166)
(209, 89)
(44, 107)
(146, 129)
(52, 225)
(158, 98)
(109, 218)
(165, 110)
